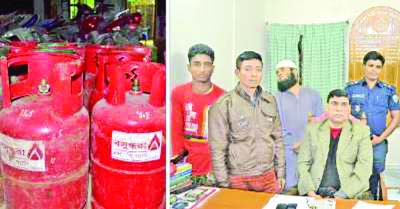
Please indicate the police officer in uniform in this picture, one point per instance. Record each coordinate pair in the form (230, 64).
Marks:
(372, 98)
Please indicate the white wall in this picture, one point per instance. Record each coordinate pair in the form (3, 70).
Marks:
(201, 21)
(320, 11)
(393, 158)
(250, 29)
(229, 27)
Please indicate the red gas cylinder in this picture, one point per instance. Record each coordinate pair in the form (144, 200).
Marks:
(137, 53)
(66, 47)
(42, 62)
(140, 53)
(126, 53)
(143, 71)
(22, 46)
(146, 74)
(90, 24)
(127, 19)
(22, 57)
(91, 51)
(137, 17)
(128, 146)
(44, 133)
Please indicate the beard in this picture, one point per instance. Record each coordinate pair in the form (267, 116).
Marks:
(286, 84)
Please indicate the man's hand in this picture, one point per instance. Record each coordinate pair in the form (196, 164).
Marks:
(313, 194)
(320, 118)
(340, 195)
(296, 147)
(376, 140)
(282, 183)
(224, 184)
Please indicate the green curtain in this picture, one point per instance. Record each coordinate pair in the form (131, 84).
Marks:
(282, 44)
(323, 54)
(74, 9)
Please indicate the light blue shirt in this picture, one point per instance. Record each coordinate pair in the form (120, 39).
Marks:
(294, 110)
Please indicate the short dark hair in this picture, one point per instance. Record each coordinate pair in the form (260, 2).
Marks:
(200, 49)
(373, 55)
(337, 93)
(247, 55)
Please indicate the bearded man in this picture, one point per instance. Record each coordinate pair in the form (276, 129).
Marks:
(296, 105)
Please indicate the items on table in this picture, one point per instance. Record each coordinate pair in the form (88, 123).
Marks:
(181, 179)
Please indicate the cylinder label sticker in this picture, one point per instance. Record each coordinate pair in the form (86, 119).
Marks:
(136, 147)
(23, 154)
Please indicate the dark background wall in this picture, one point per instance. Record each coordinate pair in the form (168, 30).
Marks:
(8, 6)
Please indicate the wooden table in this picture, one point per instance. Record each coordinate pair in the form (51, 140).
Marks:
(238, 199)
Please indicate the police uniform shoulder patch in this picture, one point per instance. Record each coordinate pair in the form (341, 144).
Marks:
(357, 108)
(391, 87)
(353, 82)
(385, 85)
(395, 98)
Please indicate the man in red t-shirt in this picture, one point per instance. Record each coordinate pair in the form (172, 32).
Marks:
(190, 104)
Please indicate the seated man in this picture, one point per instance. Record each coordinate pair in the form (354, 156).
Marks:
(335, 159)
(245, 133)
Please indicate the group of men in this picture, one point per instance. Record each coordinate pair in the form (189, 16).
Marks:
(249, 139)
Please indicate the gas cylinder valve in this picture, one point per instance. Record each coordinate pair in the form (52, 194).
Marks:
(44, 87)
(136, 86)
